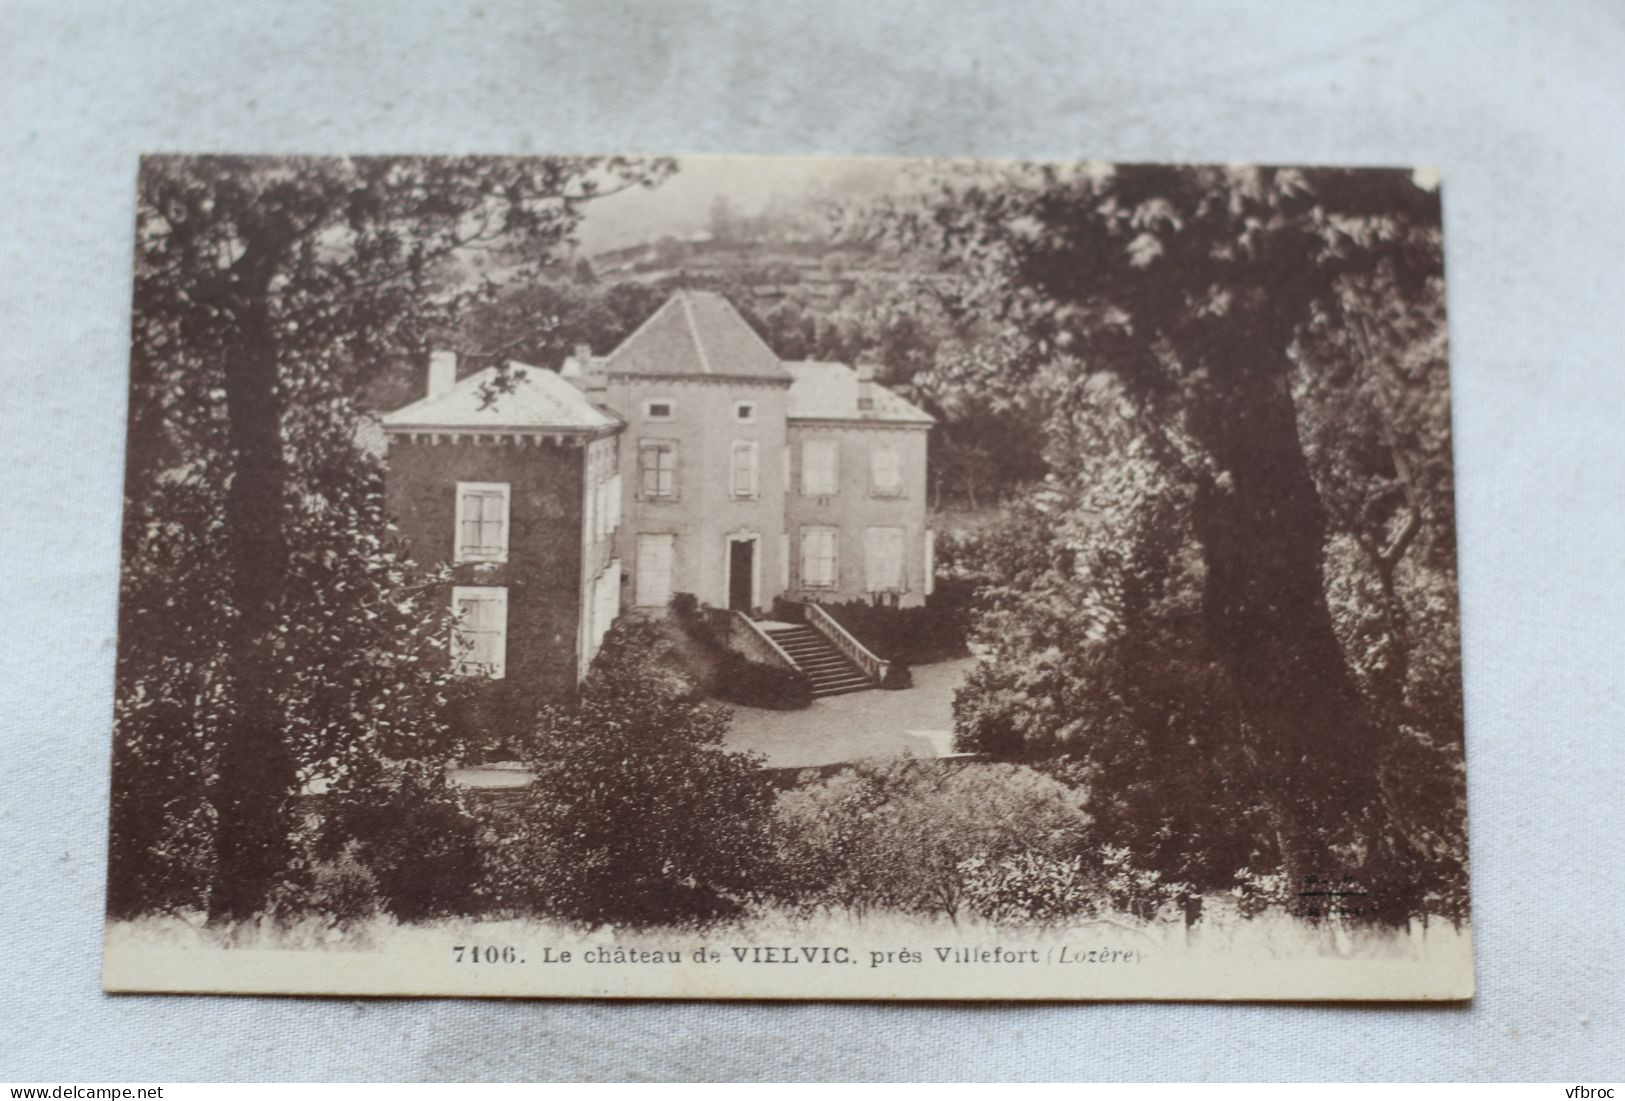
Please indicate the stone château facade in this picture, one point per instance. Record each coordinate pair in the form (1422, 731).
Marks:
(688, 459)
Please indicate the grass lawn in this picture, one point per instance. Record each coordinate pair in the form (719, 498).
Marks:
(914, 722)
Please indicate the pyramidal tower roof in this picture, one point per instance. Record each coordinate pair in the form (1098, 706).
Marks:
(696, 334)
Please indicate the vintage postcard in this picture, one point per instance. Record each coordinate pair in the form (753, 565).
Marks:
(788, 578)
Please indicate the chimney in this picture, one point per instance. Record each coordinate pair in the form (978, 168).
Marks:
(866, 383)
(442, 372)
(583, 372)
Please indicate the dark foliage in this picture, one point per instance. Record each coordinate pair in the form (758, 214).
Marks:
(1002, 841)
(413, 831)
(1215, 603)
(637, 815)
(758, 684)
(269, 294)
(734, 677)
(935, 631)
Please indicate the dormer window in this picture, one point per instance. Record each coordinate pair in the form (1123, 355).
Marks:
(659, 410)
(745, 412)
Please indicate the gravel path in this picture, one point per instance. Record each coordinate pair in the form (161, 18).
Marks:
(916, 722)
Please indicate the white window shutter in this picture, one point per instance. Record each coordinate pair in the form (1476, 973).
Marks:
(807, 557)
(883, 566)
(885, 474)
(480, 639)
(820, 468)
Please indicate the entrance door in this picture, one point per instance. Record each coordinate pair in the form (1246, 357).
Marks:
(741, 574)
(654, 570)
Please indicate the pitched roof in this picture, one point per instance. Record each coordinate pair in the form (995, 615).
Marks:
(829, 392)
(540, 399)
(696, 333)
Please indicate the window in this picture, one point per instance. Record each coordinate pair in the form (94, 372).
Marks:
(787, 453)
(818, 564)
(885, 471)
(662, 410)
(479, 641)
(656, 550)
(883, 560)
(743, 467)
(482, 522)
(657, 469)
(819, 476)
(745, 412)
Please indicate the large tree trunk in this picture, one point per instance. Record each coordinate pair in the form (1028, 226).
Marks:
(254, 786)
(1262, 528)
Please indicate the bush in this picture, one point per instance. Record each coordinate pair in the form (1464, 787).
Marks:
(936, 631)
(413, 831)
(733, 676)
(757, 684)
(997, 839)
(342, 891)
(638, 815)
(1031, 888)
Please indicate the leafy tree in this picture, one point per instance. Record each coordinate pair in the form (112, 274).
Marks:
(270, 292)
(1196, 333)
(637, 814)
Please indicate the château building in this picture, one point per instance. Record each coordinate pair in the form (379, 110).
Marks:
(690, 459)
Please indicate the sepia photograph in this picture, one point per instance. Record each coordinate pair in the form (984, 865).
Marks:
(791, 578)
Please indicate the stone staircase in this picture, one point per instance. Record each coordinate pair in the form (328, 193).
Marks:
(831, 672)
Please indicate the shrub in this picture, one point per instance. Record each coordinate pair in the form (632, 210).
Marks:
(935, 631)
(1031, 888)
(757, 684)
(413, 830)
(341, 891)
(733, 676)
(922, 837)
(638, 815)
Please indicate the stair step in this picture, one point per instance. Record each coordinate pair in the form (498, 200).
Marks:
(826, 682)
(829, 670)
(821, 693)
(823, 659)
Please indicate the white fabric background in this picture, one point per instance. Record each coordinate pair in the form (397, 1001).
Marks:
(1519, 104)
